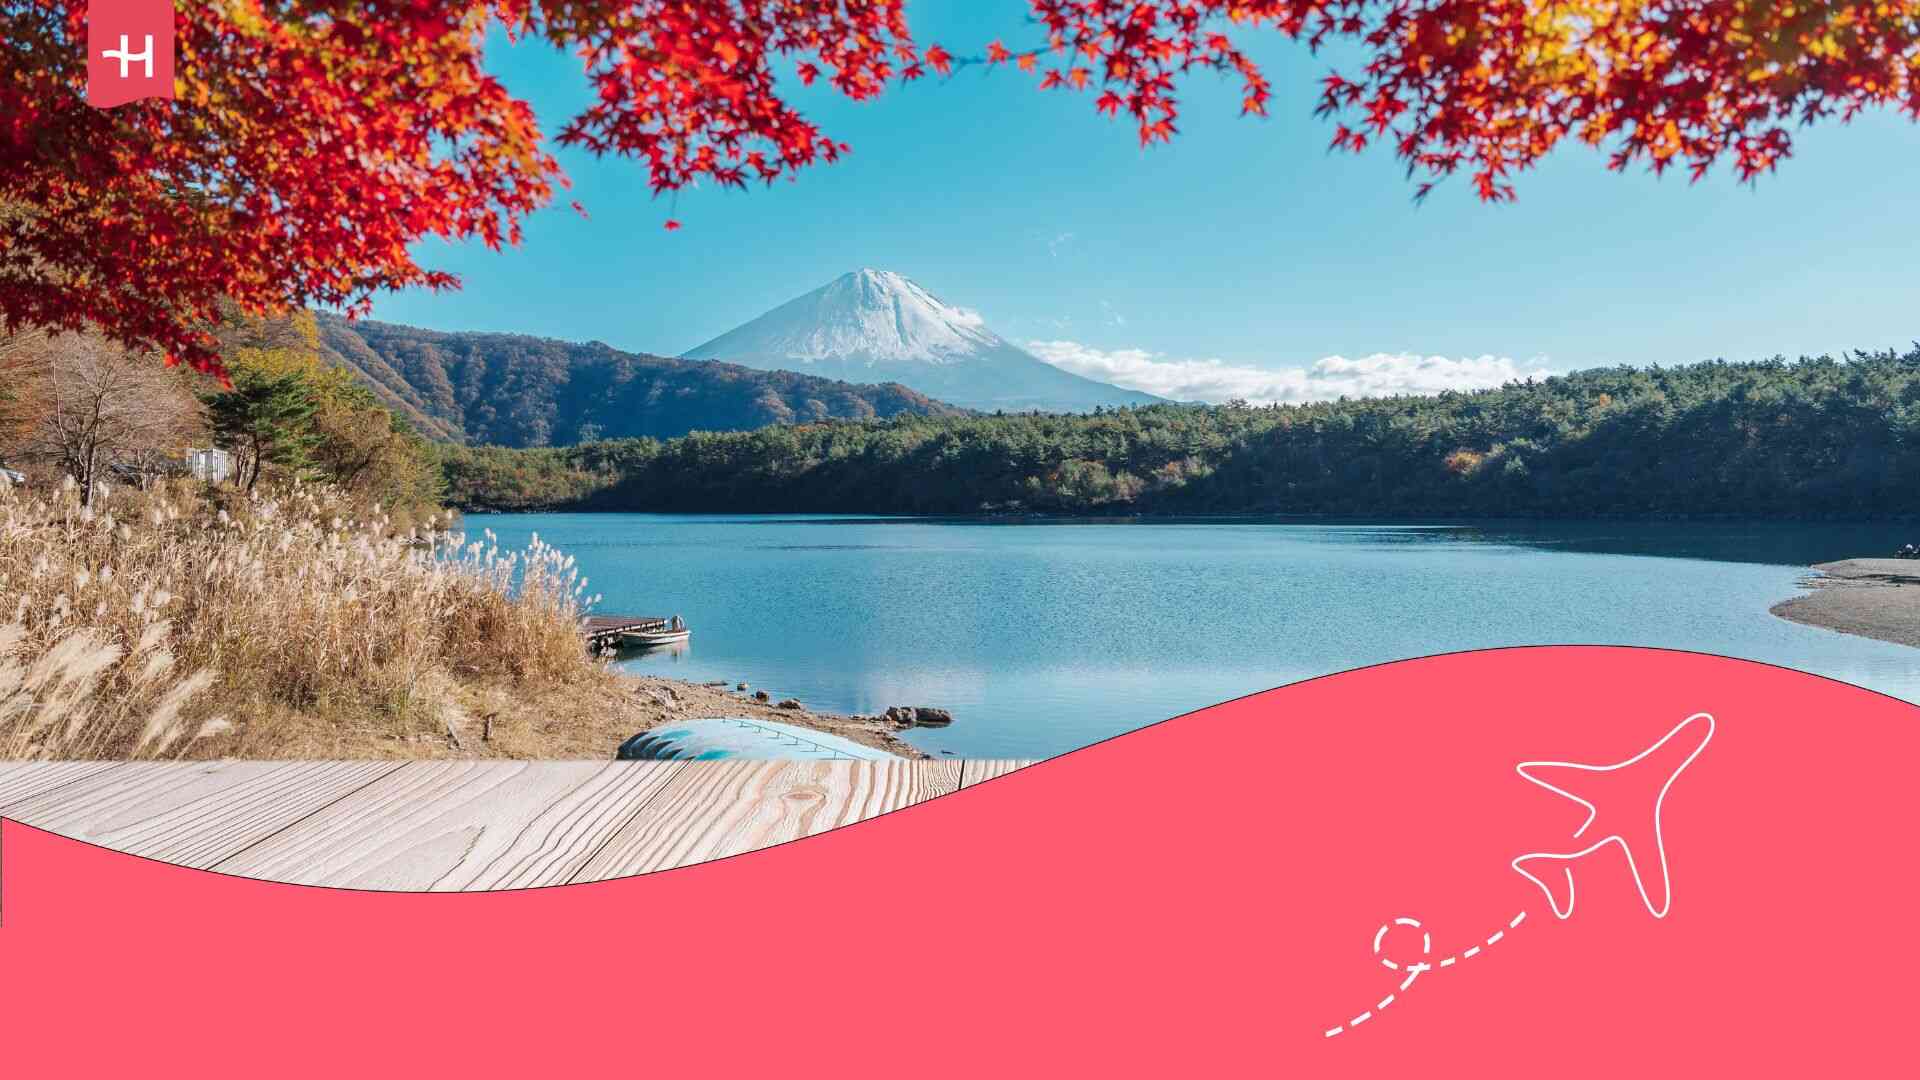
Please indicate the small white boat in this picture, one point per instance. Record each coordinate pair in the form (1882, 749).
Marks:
(672, 632)
(744, 738)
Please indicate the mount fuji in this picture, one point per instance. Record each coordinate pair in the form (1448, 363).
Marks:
(876, 326)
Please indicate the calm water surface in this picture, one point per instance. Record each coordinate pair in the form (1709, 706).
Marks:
(1045, 637)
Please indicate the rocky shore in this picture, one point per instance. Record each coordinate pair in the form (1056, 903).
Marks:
(1874, 598)
(661, 701)
(574, 721)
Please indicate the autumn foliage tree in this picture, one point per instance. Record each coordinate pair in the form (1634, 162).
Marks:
(21, 390)
(286, 407)
(314, 141)
(103, 407)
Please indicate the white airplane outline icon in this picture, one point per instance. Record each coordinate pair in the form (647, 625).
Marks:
(1622, 828)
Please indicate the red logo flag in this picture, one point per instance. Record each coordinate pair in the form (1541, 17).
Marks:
(129, 51)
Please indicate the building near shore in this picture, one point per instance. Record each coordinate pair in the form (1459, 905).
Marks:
(212, 465)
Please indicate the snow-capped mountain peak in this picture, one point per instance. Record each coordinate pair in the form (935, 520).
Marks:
(868, 316)
(873, 326)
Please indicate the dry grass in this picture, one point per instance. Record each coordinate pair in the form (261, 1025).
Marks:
(186, 623)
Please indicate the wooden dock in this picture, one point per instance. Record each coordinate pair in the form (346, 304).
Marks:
(606, 629)
(461, 825)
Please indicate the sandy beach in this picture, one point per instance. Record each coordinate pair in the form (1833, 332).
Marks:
(1875, 598)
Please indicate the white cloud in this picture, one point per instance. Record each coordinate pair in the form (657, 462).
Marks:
(1059, 243)
(1378, 375)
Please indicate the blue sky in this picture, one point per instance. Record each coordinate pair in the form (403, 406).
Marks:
(1244, 248)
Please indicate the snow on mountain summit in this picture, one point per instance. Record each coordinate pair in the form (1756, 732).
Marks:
(873, 316)
(872, 326)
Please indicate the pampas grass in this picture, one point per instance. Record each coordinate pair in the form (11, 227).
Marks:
(155, 623)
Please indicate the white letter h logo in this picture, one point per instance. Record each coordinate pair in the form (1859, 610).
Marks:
(121, 54)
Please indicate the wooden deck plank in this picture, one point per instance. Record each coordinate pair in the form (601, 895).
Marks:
(22, 780)
(193, 814)
(462, 825)
(977, 770)
(713, 809)
(458, 825)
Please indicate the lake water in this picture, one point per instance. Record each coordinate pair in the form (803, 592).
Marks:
(1045, 637)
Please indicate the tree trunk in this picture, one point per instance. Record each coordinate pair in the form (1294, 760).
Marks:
(86, 477)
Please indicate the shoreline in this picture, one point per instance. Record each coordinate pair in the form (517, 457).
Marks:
(1870, 598)
(1196, 517)
(672, 700)
(580, 720)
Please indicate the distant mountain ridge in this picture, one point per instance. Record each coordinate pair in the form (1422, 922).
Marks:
(875, 326)
(520, 391)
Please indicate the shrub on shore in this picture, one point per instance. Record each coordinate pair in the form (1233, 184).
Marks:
(189, 621)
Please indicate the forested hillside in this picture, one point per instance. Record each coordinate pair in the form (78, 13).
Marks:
(514, 390)
(1817, 436)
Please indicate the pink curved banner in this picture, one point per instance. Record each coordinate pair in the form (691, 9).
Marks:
(1554, 861)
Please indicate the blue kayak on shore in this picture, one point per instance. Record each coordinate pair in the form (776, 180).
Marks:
(740, 738)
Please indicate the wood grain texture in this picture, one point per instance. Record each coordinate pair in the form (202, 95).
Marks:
(974, 771)
(22, 780)
(460, 825)
(194, 814)
(714, 809)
